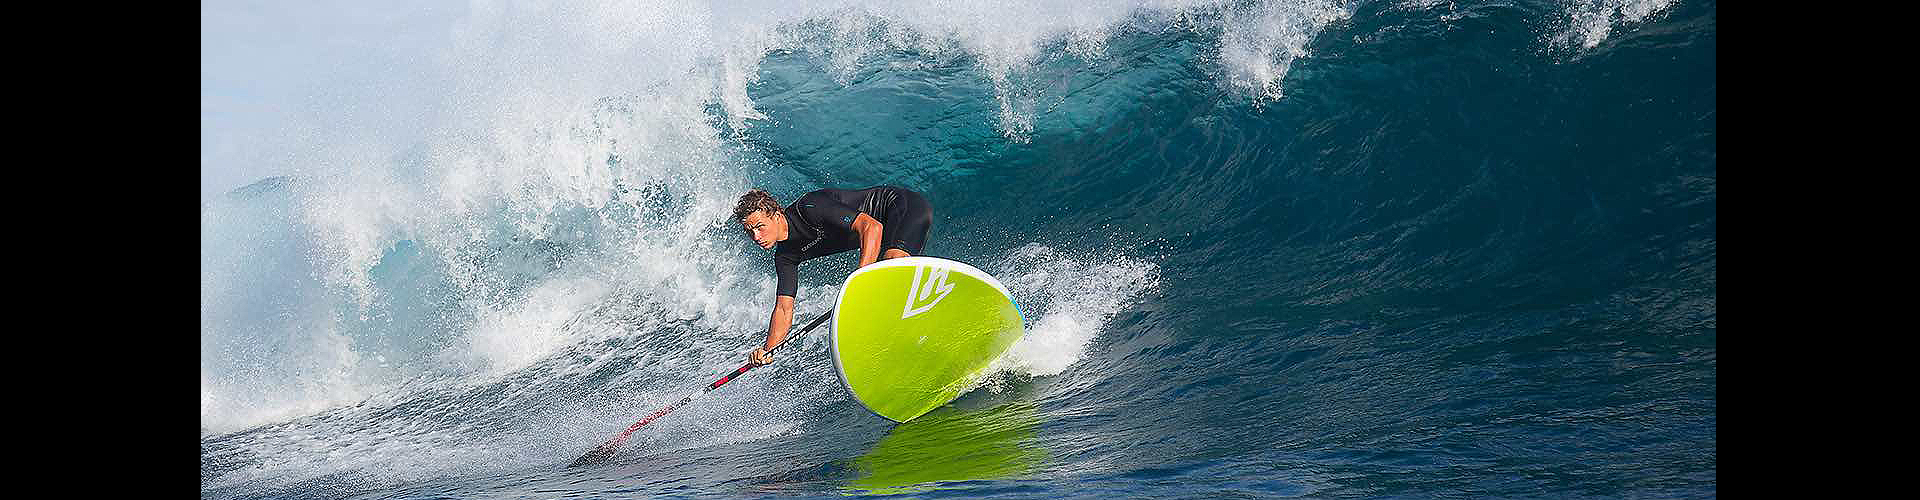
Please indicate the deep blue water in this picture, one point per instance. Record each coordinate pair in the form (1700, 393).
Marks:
(1451, 254)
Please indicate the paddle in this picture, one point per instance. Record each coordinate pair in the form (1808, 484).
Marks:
(605, 451)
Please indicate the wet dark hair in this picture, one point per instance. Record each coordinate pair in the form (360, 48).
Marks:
(755, 201)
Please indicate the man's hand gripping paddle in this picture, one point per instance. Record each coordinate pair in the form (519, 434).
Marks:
(605, 451)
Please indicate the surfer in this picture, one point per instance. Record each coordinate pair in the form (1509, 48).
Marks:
(883, 222)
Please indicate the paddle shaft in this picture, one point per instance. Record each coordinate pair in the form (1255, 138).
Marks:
(605, 450)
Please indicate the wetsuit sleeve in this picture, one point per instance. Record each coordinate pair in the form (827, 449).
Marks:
(828, 214)
(786, 269)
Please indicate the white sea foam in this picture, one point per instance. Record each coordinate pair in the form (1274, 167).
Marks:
(1590, 22)
(1068, 301)
(1261, 40)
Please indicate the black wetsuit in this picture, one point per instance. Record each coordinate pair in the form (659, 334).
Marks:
(820, 223)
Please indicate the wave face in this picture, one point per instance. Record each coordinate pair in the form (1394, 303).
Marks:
(1271, 248)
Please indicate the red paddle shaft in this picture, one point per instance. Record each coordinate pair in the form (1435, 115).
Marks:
(605, 451)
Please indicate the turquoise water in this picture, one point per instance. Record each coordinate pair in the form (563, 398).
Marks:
(1412, 249)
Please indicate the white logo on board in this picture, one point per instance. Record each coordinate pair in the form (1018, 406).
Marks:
(929, 282)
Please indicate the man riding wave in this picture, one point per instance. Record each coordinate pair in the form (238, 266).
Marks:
(883, 222)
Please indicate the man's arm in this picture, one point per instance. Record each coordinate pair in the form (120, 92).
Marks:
(870, 231)
(776, 328)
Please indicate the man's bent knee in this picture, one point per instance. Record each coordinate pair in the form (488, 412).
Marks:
(894, 253)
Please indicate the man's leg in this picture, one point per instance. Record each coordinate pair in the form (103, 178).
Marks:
(906, 226)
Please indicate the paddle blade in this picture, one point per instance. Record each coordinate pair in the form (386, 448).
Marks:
(605, 451)
(598, 455)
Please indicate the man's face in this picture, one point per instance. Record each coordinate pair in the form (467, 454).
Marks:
(766, 228)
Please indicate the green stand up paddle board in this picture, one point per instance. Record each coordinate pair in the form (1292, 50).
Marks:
(910, 334)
